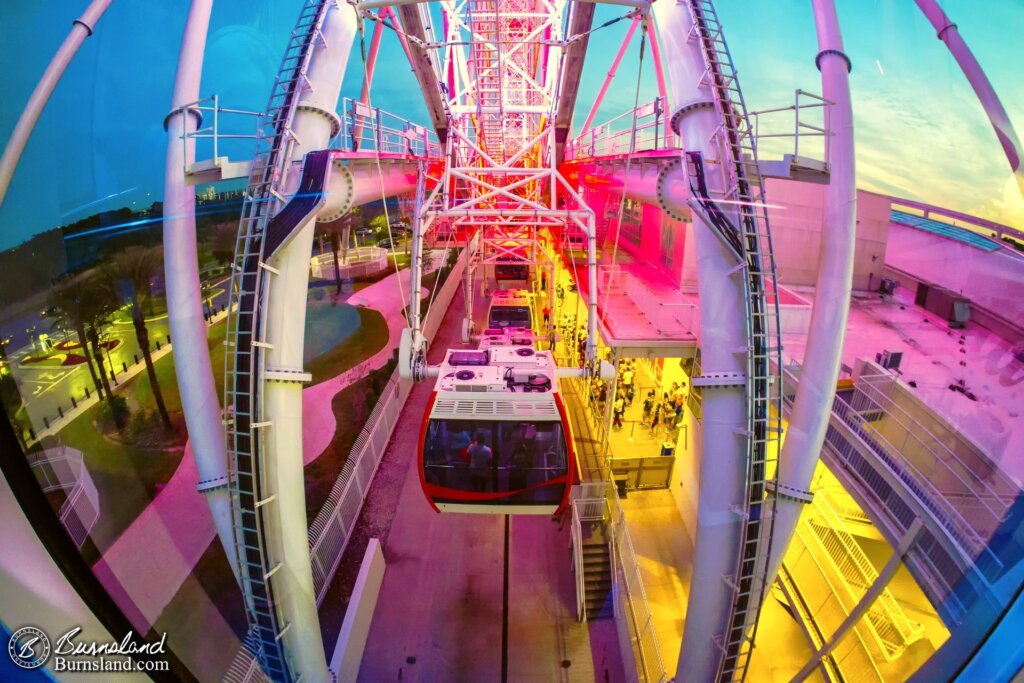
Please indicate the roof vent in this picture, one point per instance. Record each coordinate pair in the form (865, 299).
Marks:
(524, 352)
(465, 375)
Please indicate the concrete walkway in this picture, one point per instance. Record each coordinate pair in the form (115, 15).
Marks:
(148, 563)
(440, 614)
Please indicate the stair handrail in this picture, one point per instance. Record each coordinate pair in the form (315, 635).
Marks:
(576, 532)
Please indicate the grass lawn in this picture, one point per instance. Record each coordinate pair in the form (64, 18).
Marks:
(371, 337)
(156, 309)
(351, 408)
(128, 474)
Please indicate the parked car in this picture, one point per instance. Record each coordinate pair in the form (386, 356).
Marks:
(386, 244)
(364, 232)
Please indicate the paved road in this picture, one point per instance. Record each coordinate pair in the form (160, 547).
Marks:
(47, 390)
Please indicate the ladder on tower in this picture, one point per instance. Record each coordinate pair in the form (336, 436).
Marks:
(244, 340)
(752, 239)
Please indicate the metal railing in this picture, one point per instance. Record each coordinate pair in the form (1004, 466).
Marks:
(875, 393)
(816, 135)
(371, 129)
(211, 136)
(63, 469)
(805, 618)
(962, 220)
(332, 528)
(577, 565)
(886, 620)
(663, 315)
(334, 524)
(363, 129)
(921, 486)
(807, 571)
(667, 318)
(359, 262)
(938, 505)
(616, 135)
(894, 493)
(635, 607)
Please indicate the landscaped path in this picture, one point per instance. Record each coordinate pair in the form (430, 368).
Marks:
(145, 567)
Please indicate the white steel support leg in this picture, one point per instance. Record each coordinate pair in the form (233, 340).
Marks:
(285, 315)
(723, 339)
(416, 261)
(198, 392)
(827, 332)
(468, 293)
(81, 29)
(948, 34)
(592, 279)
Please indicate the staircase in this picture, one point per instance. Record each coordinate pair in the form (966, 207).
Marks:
(597, 581)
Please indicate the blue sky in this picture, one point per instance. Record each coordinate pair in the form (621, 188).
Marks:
(100, 143)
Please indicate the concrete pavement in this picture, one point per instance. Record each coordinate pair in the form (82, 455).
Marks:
(441, 613)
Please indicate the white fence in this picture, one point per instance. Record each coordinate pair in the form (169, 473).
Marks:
(333, 525)
(595, 501)
(359, 262)
(63, 469)
(631, 599)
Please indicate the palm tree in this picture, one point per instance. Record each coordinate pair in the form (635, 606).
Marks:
(10, 396)
(135, 267)
(69, 308)
(222, 242)
(335, 246)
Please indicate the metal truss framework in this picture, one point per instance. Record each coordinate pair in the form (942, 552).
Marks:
(500, 65)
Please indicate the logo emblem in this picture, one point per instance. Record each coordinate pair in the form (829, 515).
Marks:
(29, 647)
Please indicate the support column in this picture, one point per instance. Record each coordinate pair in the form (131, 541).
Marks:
(948, 34)
(199, 401)
(285, 314)
(723, 346)
(827, 332)
(81, 29)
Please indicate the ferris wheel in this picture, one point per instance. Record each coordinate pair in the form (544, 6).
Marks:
(501, 175)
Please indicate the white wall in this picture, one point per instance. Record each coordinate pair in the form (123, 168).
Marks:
(796, 226)
(995, 280)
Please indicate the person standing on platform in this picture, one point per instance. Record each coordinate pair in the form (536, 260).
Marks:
(668, 412)
(543, 282)
(619, 407)
(627, 382)
(680, 396)
(547, 316)
(649, 405)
